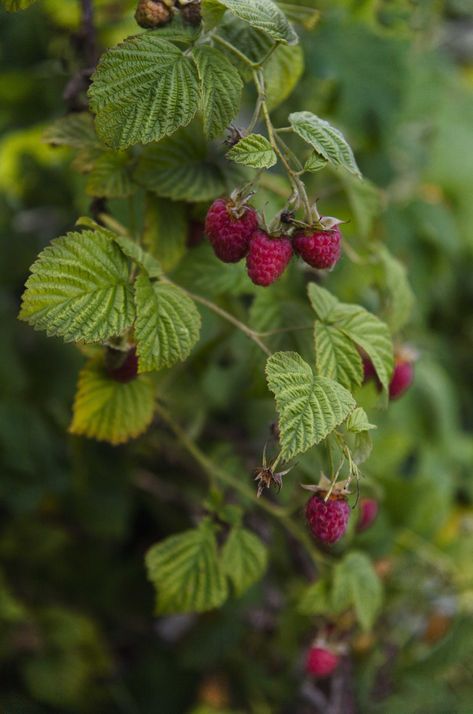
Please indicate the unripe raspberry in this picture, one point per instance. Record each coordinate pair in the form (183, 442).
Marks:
(191, 12)
(368, 512)
(320, 249)
(152, 13)
(267, 258)
(121, 366)
(327, 520)
(402, 378)
(229, 229)
(321, 662)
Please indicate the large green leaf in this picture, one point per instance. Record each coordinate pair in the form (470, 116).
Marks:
(253, 150)
(185, 167)
(282, 73)
(356, 584)
(186, 572)
(108, 410)
(167, 324)
(309, 407)
(143, 90)
(328, 141)
(264, 15)
(336, 356)
(244, 558)
(221, 89)
(79, 289)
(110, 176)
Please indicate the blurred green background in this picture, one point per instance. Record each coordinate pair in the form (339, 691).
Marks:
(77, 631)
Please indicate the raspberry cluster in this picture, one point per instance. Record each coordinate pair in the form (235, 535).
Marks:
(233, 230)
(152, 14)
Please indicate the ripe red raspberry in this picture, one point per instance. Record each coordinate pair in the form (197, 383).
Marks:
(267, 258)
(402, 378)
(229, 229)
(320, 249)
(121, 366)
(321, 662)
(152, 13)
(368, 512)
(327, 520)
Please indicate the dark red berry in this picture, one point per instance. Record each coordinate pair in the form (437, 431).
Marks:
(327, 520)
(267, 258)
(368, 512)
(402, 378)
(122, 366)
(321, 662)
(229, 229)
(321, 249)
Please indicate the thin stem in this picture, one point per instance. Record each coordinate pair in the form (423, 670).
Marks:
(233, 482)
(235, 51)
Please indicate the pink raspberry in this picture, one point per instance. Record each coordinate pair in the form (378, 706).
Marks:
(402, 378)
(122, 367)
(229, 229)
(267, 258)
(327, 520)
(368, 512)
(320, 249)
(321, 662)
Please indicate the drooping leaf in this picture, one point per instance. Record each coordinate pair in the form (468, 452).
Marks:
(142, 90)
(358, 421)
(244, 558)
(221, 89)
(79, 289)
(108, 410)
(253, 150)
(282, 73)
(359, 438)
(336, 356)
(167, 324)
(328, 141)
(165, 230)
(356, 584)
(186, 572)
(186, 168)
(110, 176)
(264, 15)
(315, 163)
(309, 407)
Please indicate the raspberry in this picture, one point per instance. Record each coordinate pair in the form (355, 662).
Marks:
(191, 12)
(402, 378)
(368, 512)
(121, 366)
(327, 520)
(229, 229)
(267, 258)
(321, 662)
(152, 13)
(320, 249)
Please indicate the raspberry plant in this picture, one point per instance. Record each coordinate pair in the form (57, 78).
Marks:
(207, 243)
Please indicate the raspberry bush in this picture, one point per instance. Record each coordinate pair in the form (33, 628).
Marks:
(247, 228)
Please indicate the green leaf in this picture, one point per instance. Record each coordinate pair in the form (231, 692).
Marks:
(186, 168)
(75, 130)
(112, 411)
(282, 73)
(322, 301)
(264, 15)
(309, 407)
(165, 230)
(356, 584)
(365, 201)
(328, 141)
(110, 176)
(252, 43)
(358, 421)
(142, 90)
(167, 324)
(360, 441)
(202, 272)
(212, 13)
(253, 150)
(79, 289)
(336, 356)
(315, 163)
(315, 599)
(394, 283)
(371, 334)
(244, 559)
(306, 16)
(15, 5)
(133, 251)
(186, 572)
(221, 89)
